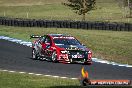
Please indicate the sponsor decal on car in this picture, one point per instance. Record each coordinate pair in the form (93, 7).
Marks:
(78, 56)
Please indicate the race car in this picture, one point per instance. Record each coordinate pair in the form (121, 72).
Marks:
(60, 48)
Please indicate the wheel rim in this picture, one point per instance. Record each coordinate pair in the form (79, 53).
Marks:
(54, 56)
(33, 54)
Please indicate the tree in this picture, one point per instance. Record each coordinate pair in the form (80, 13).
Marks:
(81, 7)
(126, 4)
(130, 7)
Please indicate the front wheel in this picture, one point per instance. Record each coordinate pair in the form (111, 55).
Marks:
(34, 54)
(54, 56)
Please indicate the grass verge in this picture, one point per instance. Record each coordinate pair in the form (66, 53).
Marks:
(16, 80)
(109, 45)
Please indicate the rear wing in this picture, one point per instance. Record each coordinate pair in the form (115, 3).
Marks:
(35, 36)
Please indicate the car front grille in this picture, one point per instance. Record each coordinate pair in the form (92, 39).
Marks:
(76, 52)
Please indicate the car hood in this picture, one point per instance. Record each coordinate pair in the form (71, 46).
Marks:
(73, 47)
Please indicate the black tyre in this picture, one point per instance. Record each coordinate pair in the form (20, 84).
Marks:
(54, 57)
(34, 54)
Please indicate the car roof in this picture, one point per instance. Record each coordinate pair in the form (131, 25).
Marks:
(59, 35)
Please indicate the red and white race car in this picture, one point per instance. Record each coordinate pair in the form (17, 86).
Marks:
(60, 48)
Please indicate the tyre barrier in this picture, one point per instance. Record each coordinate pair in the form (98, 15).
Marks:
(65, 24)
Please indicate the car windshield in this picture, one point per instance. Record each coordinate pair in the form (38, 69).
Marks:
(65, 41)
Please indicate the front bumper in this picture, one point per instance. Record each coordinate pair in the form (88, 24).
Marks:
(65, 58)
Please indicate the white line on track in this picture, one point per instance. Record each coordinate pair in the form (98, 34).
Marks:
(56, 76)
(63, 77)
(4, 70)
(74, 78)
(31, 73)
(22, 72)
(47, 75)
(12, 71)
(37, 74)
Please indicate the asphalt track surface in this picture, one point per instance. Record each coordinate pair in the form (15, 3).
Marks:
(14, 56)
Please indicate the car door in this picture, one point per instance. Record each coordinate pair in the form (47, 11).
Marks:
(39, 44)
(46, 45)
(49, 48)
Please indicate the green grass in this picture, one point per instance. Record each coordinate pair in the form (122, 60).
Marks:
(107, 10)
(16, 80)
(109, 45)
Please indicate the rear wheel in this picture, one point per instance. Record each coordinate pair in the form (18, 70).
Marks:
(54, 56)
(34, 54)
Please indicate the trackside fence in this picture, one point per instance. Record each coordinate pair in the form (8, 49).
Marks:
(65, 24)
